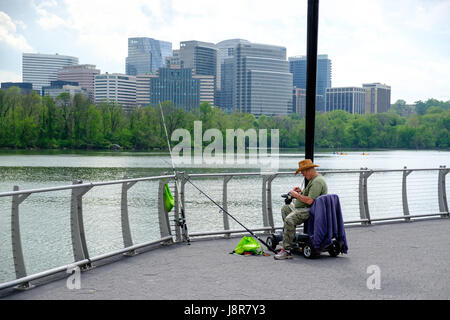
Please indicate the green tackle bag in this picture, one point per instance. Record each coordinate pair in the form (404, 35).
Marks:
(168, 198)
(248, 244)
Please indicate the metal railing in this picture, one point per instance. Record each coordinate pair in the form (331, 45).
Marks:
(170, 233)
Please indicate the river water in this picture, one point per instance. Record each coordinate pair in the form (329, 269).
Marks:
(45, 217)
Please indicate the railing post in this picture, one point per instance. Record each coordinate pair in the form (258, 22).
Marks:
(226, 223)
(79, 246)
(163, 216)
(19, 262)
(182, 219)
(264, 200)
(177, 210)
(442, 192)
(126, 231)
(269, 202)
(406, 173)
(363, 198)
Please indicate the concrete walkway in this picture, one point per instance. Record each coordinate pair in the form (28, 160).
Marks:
(413, 258)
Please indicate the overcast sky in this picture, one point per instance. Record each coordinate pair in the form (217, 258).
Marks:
(403, 43)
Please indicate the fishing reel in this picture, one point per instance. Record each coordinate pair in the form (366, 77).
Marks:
(287, 198)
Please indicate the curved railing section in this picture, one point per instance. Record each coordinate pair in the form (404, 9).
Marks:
(170, 227)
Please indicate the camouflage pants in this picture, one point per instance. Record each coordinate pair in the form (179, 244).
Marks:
(292, 217)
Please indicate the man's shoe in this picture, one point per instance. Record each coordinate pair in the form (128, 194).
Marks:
(282, 255)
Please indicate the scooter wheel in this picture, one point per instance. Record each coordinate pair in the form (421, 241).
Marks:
(335, 249)
(308, 251)
(271, 243)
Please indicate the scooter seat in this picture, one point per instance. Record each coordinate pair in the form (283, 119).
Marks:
(302, 237)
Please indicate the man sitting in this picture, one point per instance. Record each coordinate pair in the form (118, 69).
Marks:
(297, 212)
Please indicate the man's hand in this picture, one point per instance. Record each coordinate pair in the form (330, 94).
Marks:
(297, 189)
(295, 193)
(302, 198)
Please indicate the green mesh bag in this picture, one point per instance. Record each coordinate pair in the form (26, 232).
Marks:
(169, 203)
(248, 244)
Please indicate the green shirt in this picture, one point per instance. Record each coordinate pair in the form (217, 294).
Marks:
(316, 187)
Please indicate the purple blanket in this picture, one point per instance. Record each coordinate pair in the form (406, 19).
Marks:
(325, 223)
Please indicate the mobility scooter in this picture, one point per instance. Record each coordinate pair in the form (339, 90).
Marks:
(303, 242)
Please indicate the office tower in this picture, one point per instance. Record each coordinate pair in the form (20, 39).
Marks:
(146, 55)
(299, 101)
(116, 87)
(297, 66)
(225, 95)
(57, 87)
(176, 85)
(378, 97)
(350, 99)
(174, 61)
(40, 69)
(25, 87)
(224, 88)
(263, 83)
(84, 74)
(201, 57)
(143, 82)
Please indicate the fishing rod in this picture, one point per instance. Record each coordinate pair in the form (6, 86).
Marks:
(207, 196)
(230, 215)
(182, 220)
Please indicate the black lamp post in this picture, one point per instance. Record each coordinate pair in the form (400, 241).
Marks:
(311, 76)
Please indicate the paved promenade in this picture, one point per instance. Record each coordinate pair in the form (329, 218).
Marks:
(414, 260)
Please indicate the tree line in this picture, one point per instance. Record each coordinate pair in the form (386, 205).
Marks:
(31, 121)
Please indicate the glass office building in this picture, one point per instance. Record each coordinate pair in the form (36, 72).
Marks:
(176, 85)
(225, 72)
(201, 57)
(146, 55)
(262, 81)
(297, 66)
(40, 69)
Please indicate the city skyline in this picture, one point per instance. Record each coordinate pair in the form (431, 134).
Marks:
(404, 44)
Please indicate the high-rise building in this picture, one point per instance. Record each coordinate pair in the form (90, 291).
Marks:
(262, 81)
(297, 66)
(299, 101)
(378, 97)
(225, 51)
(116, 87)
(143, 83)
(40, 69)
(350, 99)
(225, 95)
(224, 88)
(84, 74)
(201, 57)
(146, 55)
(176, 85)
